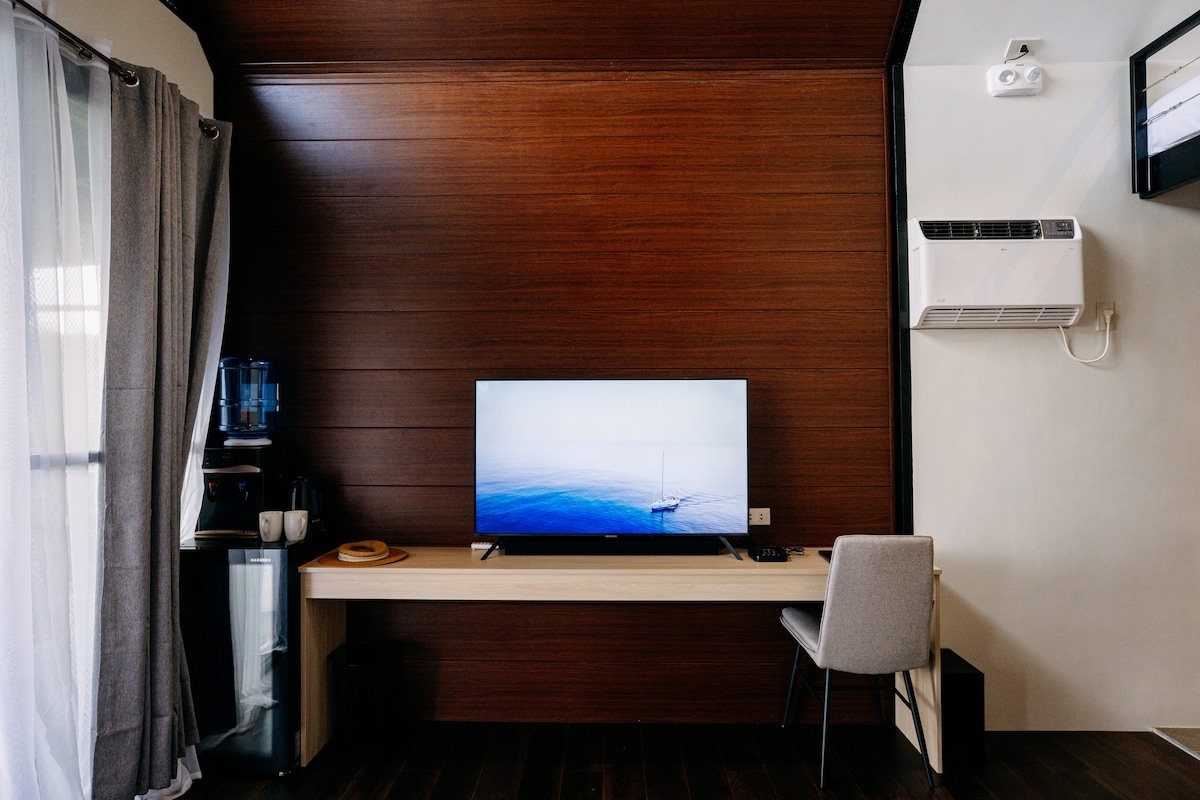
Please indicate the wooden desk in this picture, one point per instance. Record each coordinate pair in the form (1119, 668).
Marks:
(455, 573)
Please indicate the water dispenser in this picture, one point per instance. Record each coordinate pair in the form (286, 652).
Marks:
(249, 400)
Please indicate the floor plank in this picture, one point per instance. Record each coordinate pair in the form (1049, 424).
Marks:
(583, 767)
(561, 761)
(662, 761)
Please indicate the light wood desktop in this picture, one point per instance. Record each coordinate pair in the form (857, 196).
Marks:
(457, 573)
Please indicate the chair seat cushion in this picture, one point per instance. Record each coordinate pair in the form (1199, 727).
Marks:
(804, 625)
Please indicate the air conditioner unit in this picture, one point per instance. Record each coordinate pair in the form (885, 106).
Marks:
(1021, 273)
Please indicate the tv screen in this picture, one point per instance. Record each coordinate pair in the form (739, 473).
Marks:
(611, 457)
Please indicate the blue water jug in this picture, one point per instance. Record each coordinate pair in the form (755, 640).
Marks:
(249, 399)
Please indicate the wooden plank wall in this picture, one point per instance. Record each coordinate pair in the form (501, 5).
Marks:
(847, 34)
(401, 230)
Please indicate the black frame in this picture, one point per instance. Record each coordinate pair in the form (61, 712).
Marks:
(901, 357)
(1178, 166)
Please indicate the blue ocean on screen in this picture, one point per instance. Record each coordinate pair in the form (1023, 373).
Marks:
(611, 489)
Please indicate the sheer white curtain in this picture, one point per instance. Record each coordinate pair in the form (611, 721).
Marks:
(54, 228)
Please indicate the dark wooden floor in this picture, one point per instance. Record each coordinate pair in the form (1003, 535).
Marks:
(489, 761)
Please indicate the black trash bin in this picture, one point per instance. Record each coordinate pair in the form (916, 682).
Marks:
(368, 697)
(962, 715)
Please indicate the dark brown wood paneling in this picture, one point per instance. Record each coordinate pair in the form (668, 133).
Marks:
(597, 692)
(471, 282)
(581, 691)
(488, 104)
(408, 515)
(816, 515)
(696, 164)
(743, 221)
(601, 341)
(613, 632)
(439, 398)
(556, 662)
(852, 32)
(821, 457)
(402, 229)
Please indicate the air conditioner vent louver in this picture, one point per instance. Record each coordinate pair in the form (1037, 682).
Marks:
(1001, 317)
(982, 229)
(1019, 273)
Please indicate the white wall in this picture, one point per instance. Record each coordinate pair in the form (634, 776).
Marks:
(1064, 499)
(147, 33)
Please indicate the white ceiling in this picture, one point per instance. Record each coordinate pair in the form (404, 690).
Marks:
(951, 32)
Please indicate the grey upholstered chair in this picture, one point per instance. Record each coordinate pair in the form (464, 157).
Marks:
(875, 620)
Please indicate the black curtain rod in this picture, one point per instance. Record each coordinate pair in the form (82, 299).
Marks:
(87, 52)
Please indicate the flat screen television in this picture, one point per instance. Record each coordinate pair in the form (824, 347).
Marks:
(656, 461)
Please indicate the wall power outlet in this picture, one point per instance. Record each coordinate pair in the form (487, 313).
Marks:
(760, 516)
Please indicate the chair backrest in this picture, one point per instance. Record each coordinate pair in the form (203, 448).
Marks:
(878, 605)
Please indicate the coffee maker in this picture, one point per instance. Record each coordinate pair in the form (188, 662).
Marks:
(242, 478)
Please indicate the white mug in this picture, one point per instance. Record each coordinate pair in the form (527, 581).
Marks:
(270, 525)
(295, 524)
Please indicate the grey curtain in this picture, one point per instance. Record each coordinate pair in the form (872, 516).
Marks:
(169, 206)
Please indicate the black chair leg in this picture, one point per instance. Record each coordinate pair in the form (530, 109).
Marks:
(912, 705)
(787, 707)
(825, 723)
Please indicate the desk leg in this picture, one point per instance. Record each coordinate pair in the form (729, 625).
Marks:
(322, 630)
(927, 685)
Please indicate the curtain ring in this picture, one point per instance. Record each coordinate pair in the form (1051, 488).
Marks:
(128, 76)
(209, 130)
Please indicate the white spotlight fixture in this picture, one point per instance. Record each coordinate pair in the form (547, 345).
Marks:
(1009, 80)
